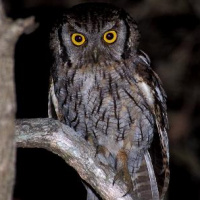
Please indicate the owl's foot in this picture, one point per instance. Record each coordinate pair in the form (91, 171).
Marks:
(102, 150)
(123, 172)
(102, 154)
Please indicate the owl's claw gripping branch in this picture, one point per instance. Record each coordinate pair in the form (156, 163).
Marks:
(123, 172)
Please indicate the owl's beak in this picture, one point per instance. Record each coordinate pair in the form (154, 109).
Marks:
(95, 55)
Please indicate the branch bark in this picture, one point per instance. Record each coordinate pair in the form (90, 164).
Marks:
(60, 139)
(9, 34)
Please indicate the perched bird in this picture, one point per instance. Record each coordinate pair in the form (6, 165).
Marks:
(103, 87)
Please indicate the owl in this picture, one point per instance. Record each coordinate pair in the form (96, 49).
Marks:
(103, 87)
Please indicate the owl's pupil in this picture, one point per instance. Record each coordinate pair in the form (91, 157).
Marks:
(109, 36)
(78, 38)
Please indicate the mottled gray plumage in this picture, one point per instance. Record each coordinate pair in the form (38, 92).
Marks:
(109, 94)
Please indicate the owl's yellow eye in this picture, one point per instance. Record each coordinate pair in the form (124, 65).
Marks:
(78, 39)
(110, 37)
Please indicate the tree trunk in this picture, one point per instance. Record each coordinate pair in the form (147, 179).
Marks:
(9, 33)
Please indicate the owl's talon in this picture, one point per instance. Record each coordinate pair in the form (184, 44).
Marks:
(101, 150)
(123, 172)
(117, 176)
(102, 154)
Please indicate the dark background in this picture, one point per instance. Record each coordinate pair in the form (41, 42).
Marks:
(170, 32)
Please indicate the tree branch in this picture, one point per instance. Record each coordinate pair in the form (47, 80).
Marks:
(60, 139)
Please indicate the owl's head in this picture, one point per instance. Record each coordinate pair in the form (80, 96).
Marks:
(94, 33)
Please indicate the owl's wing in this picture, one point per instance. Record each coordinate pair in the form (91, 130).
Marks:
(150, 86)
(53, 111)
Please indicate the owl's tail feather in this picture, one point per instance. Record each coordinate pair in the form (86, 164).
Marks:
(144, 180)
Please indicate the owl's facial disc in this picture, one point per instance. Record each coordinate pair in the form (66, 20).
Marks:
(87, 45)
(94, 33)
(109, 37)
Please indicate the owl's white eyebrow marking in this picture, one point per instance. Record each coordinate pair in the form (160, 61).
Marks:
(109, 25)
(87, 28)
(75, 27)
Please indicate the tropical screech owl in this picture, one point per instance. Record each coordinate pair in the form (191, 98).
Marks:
(103, 87)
